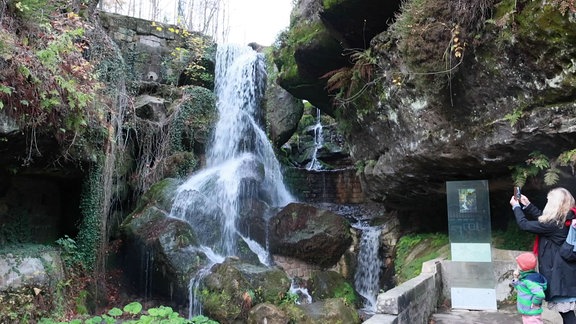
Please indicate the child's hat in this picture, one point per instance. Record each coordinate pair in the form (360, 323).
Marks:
(526, 261)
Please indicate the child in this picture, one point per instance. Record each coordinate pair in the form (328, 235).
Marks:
(530, 286)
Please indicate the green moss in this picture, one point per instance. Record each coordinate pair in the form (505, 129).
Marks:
(297, 36)
(346, 292)
(297, 315)
(546, 24)
(504, 8)
(220, 305)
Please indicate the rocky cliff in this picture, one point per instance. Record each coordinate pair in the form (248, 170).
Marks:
(444, 90)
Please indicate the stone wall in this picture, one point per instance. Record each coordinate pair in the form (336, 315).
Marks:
(335, 186)
(416, 300)
(146, 47)
(413, 301)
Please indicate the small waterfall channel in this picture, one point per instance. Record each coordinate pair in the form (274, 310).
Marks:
(240, 162)
(315, 164)
(367, 276)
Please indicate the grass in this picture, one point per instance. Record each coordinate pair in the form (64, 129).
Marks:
(414, 249)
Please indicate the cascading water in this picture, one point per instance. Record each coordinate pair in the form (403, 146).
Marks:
(367, 276)
(314, 164)
(240, 152)
(240, 163)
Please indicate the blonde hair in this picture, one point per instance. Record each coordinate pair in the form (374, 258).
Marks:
(559, 203)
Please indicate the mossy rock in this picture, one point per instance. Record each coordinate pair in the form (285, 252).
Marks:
(233, 287)
(331, 284)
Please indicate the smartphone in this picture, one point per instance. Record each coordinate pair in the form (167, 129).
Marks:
(517, 193)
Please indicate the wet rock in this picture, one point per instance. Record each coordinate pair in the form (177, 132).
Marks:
(313, 235)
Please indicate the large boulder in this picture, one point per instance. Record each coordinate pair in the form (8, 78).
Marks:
(310, 234)
(161, 248)
(29, 280)
(231, 288)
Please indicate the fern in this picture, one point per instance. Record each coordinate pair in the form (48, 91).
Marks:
(538, 160)
(568, 158)
(551, 176)
(338, 79)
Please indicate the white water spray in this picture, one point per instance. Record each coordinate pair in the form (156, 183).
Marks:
(367, 277)
(240, 162)
(315, 164)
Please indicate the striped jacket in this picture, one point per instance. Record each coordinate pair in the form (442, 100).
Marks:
(530, 288)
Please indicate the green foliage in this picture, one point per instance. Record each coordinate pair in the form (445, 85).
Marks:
(56, 84)
(17, 306)
(33, 10)
(513, 117)
(70, 253)
(513, 238)
(133, 313)
(539, 162)
(350, 83)
(568, 158)
(410, 268)
(290, 298)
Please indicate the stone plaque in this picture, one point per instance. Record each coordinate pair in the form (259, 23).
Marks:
(471, 275)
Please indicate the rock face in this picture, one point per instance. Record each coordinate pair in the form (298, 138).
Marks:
(450, 94)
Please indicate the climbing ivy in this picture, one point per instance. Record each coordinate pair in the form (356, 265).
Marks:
(88, 239)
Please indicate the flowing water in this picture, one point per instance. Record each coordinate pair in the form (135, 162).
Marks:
(367, 276)
(318, 143)
(240, 162)
(240, 153)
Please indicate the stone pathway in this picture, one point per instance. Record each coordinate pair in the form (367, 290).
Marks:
(507, 315)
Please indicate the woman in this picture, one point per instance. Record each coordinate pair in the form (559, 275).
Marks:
(551, 227)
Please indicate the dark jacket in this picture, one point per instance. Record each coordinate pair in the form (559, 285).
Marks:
(561, 275)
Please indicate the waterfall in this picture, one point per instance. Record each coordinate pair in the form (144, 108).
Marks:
(314, 164)
(240, 161)
(367, 277)
(240, 164)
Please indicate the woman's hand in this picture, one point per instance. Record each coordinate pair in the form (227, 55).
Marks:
(524, 200)
(513, 201)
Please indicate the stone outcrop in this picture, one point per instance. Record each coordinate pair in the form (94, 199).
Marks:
(317, 41)
(453, 94)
